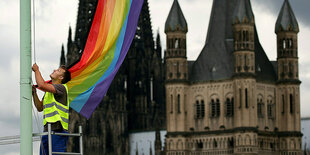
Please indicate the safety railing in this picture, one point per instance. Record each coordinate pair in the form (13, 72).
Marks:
(49, 133)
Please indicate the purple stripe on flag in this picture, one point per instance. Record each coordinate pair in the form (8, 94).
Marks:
(101, 88)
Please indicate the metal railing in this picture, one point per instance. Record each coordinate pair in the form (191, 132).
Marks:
(49, 133)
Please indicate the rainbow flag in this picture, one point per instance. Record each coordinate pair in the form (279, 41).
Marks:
(108, 41)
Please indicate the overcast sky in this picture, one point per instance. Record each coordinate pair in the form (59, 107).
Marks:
(53, 18)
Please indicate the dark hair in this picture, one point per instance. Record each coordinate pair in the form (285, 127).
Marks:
(67, 74)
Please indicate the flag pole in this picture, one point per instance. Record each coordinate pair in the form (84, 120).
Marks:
(25, 79)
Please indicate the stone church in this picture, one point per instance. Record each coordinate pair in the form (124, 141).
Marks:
(232, 99)
(135, 100)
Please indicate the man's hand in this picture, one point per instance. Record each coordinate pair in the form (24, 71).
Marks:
(41, 82)
(35, 67)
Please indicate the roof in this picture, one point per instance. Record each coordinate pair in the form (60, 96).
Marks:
(286, 20)
(243, 12)
(215, 61)
(176, 19)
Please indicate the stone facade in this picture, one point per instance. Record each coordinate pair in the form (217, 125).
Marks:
(250, 107)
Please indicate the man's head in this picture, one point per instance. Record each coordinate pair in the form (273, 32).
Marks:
(61, 74)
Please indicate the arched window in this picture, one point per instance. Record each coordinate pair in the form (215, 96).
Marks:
(240, 98)
(179, 104)
(270, 108)
(171, 104)
(245, 62)
(176, 43)
(244, 35)
(290, 43)
(213, 108)
(260, 106)
(246, 98)
(202, 104)
(291, 104)
(197, 109)
(283, 44)
(229, 107)
(218, 110)
(283, 104)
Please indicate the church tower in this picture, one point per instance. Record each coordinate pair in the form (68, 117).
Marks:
(244, 64)
(288, 82)
(243, 26)
(176, 68)
(244, 72)
(176, 29)
(286, 30)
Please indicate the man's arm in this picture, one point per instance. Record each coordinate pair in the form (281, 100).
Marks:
(36, 100)
(40, 81)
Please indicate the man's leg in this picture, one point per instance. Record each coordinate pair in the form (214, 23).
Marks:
(59, 143)
(44, 145)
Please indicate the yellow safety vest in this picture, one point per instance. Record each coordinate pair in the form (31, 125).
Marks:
(54, 111)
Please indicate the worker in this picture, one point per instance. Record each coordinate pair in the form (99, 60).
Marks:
(55, 107)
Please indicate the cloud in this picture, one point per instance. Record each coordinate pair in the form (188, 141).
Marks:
(300, 8)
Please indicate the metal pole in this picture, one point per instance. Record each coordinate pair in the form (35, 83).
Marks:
(49, 128)
(81, 139)
(25, 78)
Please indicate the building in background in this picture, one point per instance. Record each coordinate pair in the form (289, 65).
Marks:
(232, 99)
(139, 142)
(135, 101)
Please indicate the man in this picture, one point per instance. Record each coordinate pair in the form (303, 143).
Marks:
(54, 105)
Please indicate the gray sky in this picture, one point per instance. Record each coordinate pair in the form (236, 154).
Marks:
(54, 17)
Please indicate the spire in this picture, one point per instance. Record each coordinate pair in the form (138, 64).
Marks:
(72, 51)
(176, 20)
(243, 12)
(69, 42)
(286, 20)
(70, 34)
(62, 57)
(158, 45)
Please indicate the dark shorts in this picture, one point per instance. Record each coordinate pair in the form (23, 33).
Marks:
(59, 144)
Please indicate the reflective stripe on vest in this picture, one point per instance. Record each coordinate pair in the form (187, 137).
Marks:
(53, 114)
(57, 106)
(54, 111)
